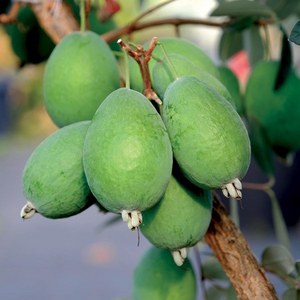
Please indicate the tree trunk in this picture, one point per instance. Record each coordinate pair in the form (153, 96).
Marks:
(236, 258)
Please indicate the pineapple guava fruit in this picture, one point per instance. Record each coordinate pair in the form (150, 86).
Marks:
(162, 75)
(54, 182)
(180, 219)
(79, 74)
(127, 155)
(208, 137)
(276, 111)
(173, 45)
(156, 277)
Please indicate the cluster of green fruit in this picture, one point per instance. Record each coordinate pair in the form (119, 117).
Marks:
(114, 147)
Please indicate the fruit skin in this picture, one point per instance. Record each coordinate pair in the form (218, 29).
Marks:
(53, 177)
(180, 219)
(277, 112)
(127, 153)
(80, 73)
(228, 78)
(208, 137)
(162, 75)
(173, 45)
(157, 277)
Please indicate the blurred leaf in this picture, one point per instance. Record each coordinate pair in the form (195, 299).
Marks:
(291, 294)
(212, 269)
(243, 9)
(295, 34)
(253, 44)
(241, 23)
(231, 42)
(283, 8)
(261, 150)
(285, 61)
(231, 293)
(297, 266)
(111, 221)
(278, 259)
(278, 221)
(214, 293)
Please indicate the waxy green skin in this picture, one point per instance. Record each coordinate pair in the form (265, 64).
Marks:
(162, 76)
(127, 153)
(180, 219)
(53, 177)
(157, 277)
(277, 112)
(79, 75)
(173, 45)
(208, 137)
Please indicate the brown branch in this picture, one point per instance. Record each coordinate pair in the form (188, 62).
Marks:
(132, 27)
(238, 261)
(58, 24)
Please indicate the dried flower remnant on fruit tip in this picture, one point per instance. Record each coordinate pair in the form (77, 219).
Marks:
(179, 256)
(133, 218)
(143, 57)
(233, 189)
(28, 211)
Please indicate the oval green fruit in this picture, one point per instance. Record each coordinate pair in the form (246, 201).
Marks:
(53, 178)
(278, 111)
(179, 220)
(173, 45)
(157, 277)
(162, 75)
(80, 73)
(127, 155)
(208, 137)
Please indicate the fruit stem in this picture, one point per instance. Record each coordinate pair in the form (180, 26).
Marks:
(171, 66)
(82, 15)
(127, 72)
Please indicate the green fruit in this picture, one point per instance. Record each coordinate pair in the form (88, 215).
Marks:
(162, 75)
(276, 111)
(80, 73)
(179, 220)
(53, 178)
(156, 277)
(173, 45)
(228, 78)
(127, 155)
(208, 137)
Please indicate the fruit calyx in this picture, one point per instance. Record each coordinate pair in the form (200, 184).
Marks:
(179, 256)
(28, 211)
(233, 189)
(133, 218)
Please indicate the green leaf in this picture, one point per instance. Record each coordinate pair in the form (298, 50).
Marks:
(297, 266)
(214, 293)
(295, 34)
(230, 43)
(278, 259)
(283, 8)
(285, 61)
(243, 9)
(260, 147)
(278, 220)
(212, 269)
(291, 294)
(231, 293)
(253, 44)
